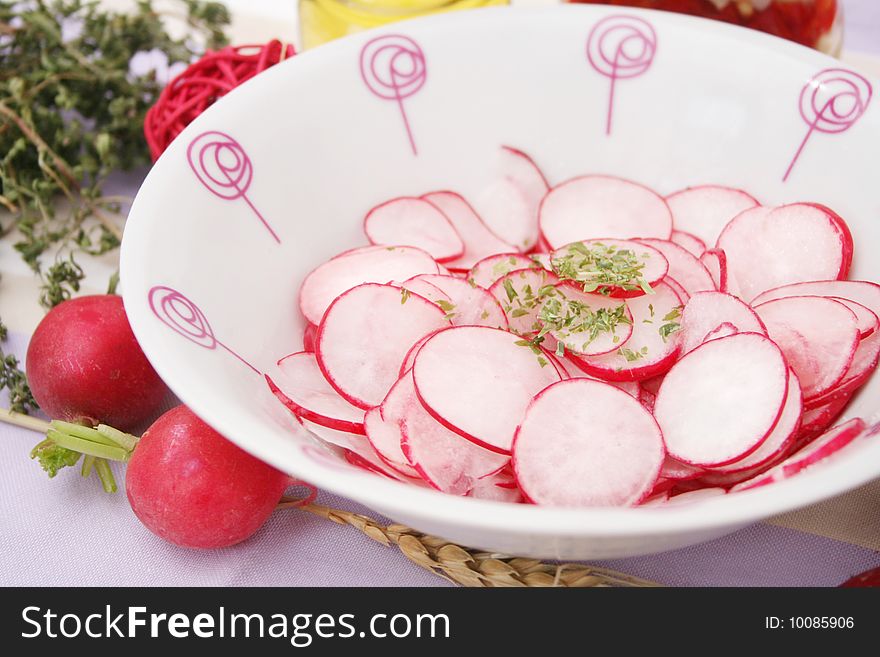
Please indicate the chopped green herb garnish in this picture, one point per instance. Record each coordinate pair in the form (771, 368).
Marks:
(518, 312)
(630, 355)
(599, 267)
(445, 306)
(668, 329)
(484, 314)
(542, 361)
(568, 318)
(404, 295)
(511, 292)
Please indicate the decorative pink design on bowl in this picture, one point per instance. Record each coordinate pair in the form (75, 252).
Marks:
(621, 47)
(185, 318)
(222, 166)
(393, 68)
(831, 102)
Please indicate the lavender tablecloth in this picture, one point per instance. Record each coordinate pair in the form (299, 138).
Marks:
(66, 532)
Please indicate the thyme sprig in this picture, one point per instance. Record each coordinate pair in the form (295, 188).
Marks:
(71, 111)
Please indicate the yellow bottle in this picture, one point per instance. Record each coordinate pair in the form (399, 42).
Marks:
(323, 20)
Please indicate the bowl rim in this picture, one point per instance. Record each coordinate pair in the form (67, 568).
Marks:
(845, 472)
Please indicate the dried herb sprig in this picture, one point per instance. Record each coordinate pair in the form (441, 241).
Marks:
(14, 381)
(72, 111)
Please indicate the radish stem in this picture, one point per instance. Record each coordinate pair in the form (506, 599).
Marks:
(88, 462)
(24, 421)
(125, 440)
(105, 474)
(87, 446)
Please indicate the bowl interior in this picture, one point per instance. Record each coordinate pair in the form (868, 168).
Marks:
(320, 139)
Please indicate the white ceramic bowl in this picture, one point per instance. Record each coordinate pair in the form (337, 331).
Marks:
(715, 104)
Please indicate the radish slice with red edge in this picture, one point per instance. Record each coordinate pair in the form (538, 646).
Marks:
(477, 381)
(470, 305)
(863, 364)
(684, 267)
(706, 312)
(823, 447)
(300, 385)
(521, 294)
(479, 241)
(425, 289)
(678, 289)
(442, 457)
(818, 336)
(488, 270)
(384, 435)
(715, 263)
(509, 205)
(720, 401)
(694, 245)
(866, 321)
(678, 471)
(602, 207)
(767, 248)
(704, 211)
(585, 443)
(586, 324)
(653, 346)
(618, 268)
(862, 292)
(693, 496)
(414, 222)
(310, 334)
(336, 437)
(816, 420)
(499, 487)
(369, 264)
(781, 437)
(366, 334)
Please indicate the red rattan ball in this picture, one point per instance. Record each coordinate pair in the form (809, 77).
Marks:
(202, 83)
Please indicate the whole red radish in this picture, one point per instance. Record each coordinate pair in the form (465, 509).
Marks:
(84, 365)
(870, 578)
(189, 485)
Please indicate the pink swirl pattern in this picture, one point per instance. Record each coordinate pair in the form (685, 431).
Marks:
(621, 47)
(393, 68)
(222, 166)
(185, 318)
(832, 101)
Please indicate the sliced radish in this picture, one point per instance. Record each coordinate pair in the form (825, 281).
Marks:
(651, 349)
(721, 331)
(479, 241)
(410, 358)
(586, 324)
(816, 420)
(689, 241)
(521, 294)
(715, 263)
(619, 268)
(658, 499)
(695, 496)
(783, 433)
(509, 206)
(383, 432)
(684, 267)
(818, 336)
(823, 447)
(488, 270)
(471, 305)
(602, 207)
(863, 364)
(414, 222)
(477, 381)
(866, 321)
(585, 443)
(720, 401)
(862, 292)
(369, 264)
(366, 334)
(442, 457)
(499, 487)
(300, 385)
(344, 439)
(704, 211)
(364, 457)
(790, 244)
(706, 312)
(424, 288)
(678, 471)
(678, 289)
(310, 334)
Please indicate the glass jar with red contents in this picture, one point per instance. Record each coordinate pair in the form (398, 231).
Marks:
(814, 23)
